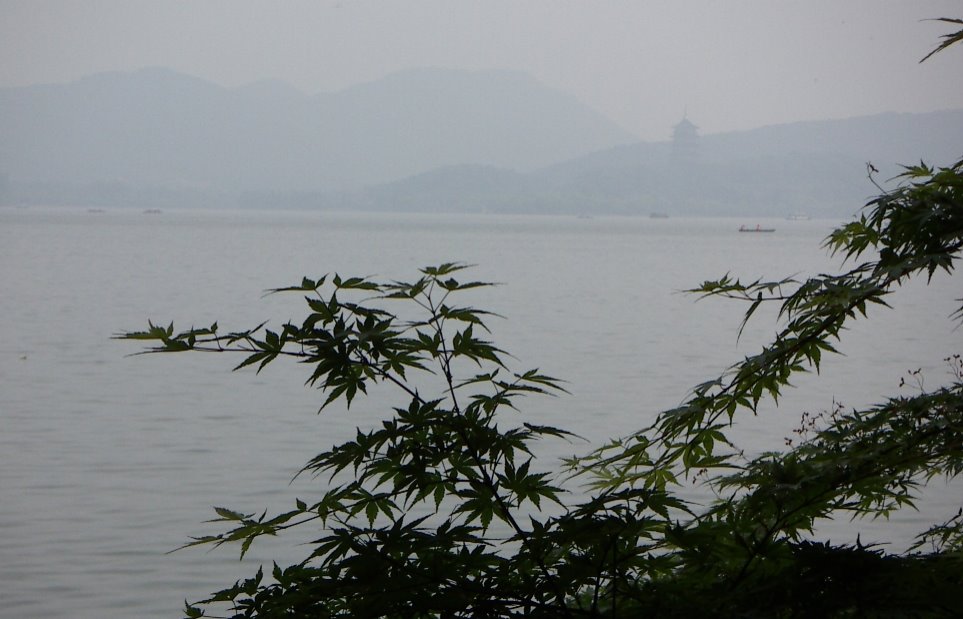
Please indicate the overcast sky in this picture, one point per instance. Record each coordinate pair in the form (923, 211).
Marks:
(732, 65)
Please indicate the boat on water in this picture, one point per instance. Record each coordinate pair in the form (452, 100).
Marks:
(758, 228)
(798, 217)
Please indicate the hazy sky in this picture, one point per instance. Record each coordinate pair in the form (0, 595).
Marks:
(732, 65)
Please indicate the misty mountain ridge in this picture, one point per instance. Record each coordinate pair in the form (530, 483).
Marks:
(813, 167)
(887, 139)
(158, 127)
(426, 140)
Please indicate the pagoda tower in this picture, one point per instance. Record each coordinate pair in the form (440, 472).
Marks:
(685, 140)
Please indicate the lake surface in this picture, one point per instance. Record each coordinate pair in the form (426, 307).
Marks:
(107, 462)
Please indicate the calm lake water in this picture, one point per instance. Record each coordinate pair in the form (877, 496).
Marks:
(107, 462)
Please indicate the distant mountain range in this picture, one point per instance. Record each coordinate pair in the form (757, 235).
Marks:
(815, 168)
(426, 140)
(155, 127)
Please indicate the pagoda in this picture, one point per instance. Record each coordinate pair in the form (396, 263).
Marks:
(685, 140)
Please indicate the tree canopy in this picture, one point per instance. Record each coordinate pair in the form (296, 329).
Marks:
(438, 511)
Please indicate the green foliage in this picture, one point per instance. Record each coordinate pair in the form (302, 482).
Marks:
(437, 511)
(949, 38)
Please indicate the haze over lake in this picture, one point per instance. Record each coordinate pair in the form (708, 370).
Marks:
(476, 107)
(429, 140)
